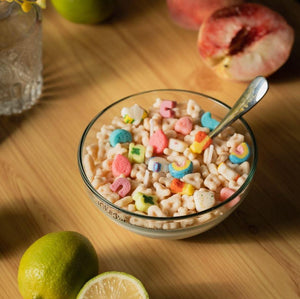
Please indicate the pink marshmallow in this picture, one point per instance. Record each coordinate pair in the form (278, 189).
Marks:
(226, 193)
(184, 125)
(165, 109)
(159, 141)
(120, 165)
(121, 184)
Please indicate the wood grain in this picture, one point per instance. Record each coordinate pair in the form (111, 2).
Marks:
(253, 254)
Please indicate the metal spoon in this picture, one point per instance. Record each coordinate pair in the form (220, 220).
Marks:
(250, 97)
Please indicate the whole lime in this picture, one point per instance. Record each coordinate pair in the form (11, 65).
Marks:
(56, 266)
(85, 11)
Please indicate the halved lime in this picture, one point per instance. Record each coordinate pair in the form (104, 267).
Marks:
(113, 285)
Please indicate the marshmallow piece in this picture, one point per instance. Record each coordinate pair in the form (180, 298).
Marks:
(120, 165)
(204, 200)
(122, 186)
(180, 170)
(166, 107)
(136, 153)
(158, 164)
(201, 142)
(133, 115)
(226, 193)
(177, 145)
(240, 154)
(177, 186)
(184, 125)
(143, 201)
(158, 141)
(119, 136)
(209, 122)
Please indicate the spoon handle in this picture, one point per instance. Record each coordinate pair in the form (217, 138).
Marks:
(250, 97)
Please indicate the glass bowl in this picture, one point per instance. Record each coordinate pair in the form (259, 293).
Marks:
(178, 227)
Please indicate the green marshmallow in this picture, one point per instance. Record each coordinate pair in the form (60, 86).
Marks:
(143, 201)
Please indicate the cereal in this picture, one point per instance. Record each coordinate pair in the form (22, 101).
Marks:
(120, 165)
(143, 201)
(119, 136)
(158, 164)
(166, 109)
(240, 154)
(208, 122)
(201, 142)
(136, 153)
(158, 141)
(180, 170)
(180, 187)
(122, 186)
(162, 163)
(184, 125)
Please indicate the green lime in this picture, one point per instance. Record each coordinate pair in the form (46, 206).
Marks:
(56, 266)
(113, 285)
(85, 11)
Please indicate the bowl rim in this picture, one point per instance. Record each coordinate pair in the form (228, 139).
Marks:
(146, 217)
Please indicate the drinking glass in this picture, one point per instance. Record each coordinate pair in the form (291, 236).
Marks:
(20, 58)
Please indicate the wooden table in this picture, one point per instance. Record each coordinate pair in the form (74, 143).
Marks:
(252, 254)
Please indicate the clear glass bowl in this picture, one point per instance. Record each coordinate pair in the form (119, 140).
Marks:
(166, 227)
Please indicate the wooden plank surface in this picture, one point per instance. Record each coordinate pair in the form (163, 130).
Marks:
(252, 254)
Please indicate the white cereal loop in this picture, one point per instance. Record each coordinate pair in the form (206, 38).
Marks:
(204, 200)
(171, 205)
(212, 182)
(124, 202)
(235, 140)
(194, 179)
(193, 109)
(161, 190)
(155, 210)
(89, 166)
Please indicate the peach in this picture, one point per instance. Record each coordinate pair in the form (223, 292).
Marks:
(244, 41)
(191, 13)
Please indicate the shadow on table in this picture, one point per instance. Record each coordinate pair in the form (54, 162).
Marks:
(20, 228)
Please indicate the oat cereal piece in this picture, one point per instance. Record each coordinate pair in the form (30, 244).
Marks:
(183, 212)
(212, 182)
(208, 154)
(92, 150)
(204, 171)
(117, 150)
(155, 210)
(138, 171)
(227, 172)
(166, 180)
(171, 205)
(226, 133)
(196, 165)
(194, 179)
(155, 124)
(131, 208)
(193, 109)
(244, 168)
(142, 189)
(221, 158)
(105, 191)
(204, 200)
(168, 124)
(89, 166)
(177, 145)
(235, 140)
(157, 103)
(124, 202)
(161, 191)
(213, 168)
(233, 185)
(241, 180)
(171, 134)
(170, 225)
(188, 202)
(149, 151)
(189, 154)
